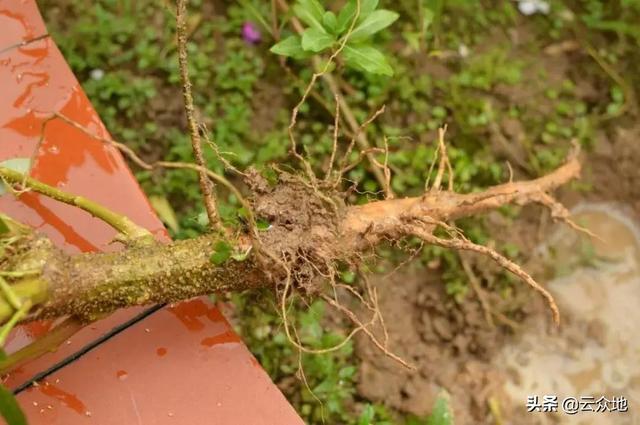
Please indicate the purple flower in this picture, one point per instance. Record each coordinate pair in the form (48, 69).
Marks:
(251, 33)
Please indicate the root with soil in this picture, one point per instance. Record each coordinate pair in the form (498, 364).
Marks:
(312, 232)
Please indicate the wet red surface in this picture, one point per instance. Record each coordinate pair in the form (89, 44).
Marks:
(20, 20)
(67, 399)
(212, 378)
(223, 338)
(193, 313)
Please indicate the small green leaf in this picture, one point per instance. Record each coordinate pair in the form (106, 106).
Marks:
(330, 22)
(345, 17)
(315, 40)
(271, 175)
(10, 409)
(375, 22)
(427, 20)
(221, 253)
(310, 12)
(262, 224)
(348, 276)
(21, 165)
(441, 414)
(367, 415)
(348, 12)
(367, 7)
(4, 228)
(17, 164)
(166, 213)
(290, 46)
(347, 372)
(241, 256)
(368, 59)
(202, 219)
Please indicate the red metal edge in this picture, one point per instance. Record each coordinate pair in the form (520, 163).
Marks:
(182, 364)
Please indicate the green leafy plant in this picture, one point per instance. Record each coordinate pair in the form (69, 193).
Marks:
(9, 408)
(441, 414)
(351, 30)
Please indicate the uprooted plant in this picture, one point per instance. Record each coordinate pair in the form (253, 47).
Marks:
(299, 229)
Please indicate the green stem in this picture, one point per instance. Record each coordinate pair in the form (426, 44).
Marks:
(130, 230)
(9, 294)
(32, 290)
(17, 316)
(93, 284)
(15, 274)
(49, 342)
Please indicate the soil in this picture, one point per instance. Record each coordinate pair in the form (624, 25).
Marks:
(451, 343)
(613, 167)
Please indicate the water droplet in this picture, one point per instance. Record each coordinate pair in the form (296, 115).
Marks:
(19, 77)
(122, 375)
(54, 150)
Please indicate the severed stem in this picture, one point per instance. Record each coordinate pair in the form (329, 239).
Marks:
(205, 184)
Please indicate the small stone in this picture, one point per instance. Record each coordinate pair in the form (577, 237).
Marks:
(97, 74)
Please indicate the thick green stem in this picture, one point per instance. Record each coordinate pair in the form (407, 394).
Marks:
(90, 285)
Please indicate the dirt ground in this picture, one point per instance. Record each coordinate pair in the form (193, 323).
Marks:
(451, 343)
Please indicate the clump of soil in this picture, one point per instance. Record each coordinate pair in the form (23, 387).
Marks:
(303, 226)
